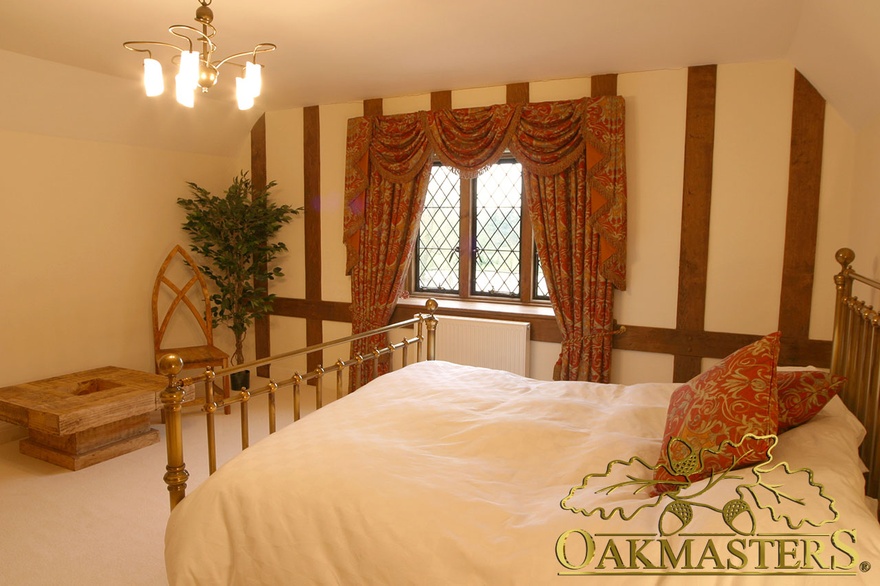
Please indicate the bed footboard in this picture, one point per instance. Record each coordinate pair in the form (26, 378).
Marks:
(173, 396)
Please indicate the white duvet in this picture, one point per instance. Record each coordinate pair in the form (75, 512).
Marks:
(447, 474)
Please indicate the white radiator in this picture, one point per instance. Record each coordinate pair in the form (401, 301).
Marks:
(503, 345)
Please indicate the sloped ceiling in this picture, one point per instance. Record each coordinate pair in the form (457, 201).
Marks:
(71, 76)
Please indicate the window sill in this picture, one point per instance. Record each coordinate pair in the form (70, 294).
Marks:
(452, 306)
(543, 321)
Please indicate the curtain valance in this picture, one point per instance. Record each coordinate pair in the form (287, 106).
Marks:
(546, 138)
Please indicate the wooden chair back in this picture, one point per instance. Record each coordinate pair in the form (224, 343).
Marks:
(181, 298)
(191, 297)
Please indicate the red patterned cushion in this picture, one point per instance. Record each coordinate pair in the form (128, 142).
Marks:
(803, 393)
(734, 398)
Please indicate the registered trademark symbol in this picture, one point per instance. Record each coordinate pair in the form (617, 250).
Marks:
(865, 566)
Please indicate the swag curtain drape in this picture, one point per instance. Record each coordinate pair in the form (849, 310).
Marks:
(389, 198)
(572, 153)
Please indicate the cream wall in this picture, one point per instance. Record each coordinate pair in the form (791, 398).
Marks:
(866, 202)
(86, 226)
(284, 165)
(84, 242)
(750, 183)
(90, 181)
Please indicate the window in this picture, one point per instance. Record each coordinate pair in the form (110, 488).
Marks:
(475, 237)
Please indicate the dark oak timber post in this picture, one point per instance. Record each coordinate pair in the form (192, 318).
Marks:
(802, 215)
(696, 203)
(262, 334)
(312, 225)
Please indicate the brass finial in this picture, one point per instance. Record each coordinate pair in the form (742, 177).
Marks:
(170, 364)
(845, 256)
(204, 14)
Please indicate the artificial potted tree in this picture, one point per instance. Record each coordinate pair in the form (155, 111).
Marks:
(235, 234)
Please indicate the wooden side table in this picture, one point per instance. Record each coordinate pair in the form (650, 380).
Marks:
(80, 419)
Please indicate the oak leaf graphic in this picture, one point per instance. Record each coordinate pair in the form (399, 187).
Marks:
(624, 489)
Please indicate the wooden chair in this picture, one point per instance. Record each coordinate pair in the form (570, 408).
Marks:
(199, 356)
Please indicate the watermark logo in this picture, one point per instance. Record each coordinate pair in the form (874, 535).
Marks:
(726, 504)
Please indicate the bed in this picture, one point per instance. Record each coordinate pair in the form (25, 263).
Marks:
(438, 473)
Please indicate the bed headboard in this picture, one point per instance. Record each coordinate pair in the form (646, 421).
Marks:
(855, 354)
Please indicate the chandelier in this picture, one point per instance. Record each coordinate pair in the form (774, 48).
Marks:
(196, 66)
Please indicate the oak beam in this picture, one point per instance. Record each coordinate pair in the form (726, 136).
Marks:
(696, 204)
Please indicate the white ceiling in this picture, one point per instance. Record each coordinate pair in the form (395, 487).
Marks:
(332, 51)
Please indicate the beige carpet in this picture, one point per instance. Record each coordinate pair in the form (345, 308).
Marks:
(104, 524)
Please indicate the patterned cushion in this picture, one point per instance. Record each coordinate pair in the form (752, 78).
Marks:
(734, 398)
(803, 393)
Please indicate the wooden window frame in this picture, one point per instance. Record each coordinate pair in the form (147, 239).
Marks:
(467, 230)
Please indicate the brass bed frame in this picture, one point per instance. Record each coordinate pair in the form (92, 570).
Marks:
(855, 354)
(174, 395)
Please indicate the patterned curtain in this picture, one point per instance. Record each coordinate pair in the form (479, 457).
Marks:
(579, 222)
(581, 295)
(572, 153)
(389, 197)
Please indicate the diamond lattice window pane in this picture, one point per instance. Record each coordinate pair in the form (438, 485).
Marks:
(498, 222)
(437, 248)
(541, 291)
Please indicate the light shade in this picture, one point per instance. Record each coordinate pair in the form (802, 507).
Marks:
(189, 69)
(186, 93)
(253, 75)
(243, 94)
(154, 84)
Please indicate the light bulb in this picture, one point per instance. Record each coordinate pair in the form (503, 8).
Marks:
(153, 81)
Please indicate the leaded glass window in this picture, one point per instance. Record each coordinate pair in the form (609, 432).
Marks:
(498, 230)
(487, 214)
(437, 261)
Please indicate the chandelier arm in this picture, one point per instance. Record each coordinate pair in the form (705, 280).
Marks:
(129, 45)
(261, 48)
(203, 36)
(202, 72)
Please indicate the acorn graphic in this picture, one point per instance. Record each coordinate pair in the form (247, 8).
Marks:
(687, 465)
(675, 517)
(734, 510)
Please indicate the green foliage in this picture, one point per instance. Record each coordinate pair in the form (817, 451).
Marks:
(235, 234)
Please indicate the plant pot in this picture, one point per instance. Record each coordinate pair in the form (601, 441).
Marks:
(240, 380)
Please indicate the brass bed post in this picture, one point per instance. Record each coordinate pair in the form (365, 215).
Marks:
(872, 405)
(843, 284)
(319, 387)
(297, 379)
(210, 408)
(431, 322)
(172, 401)
(339, 366)
(245, 429)
(273, 388)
